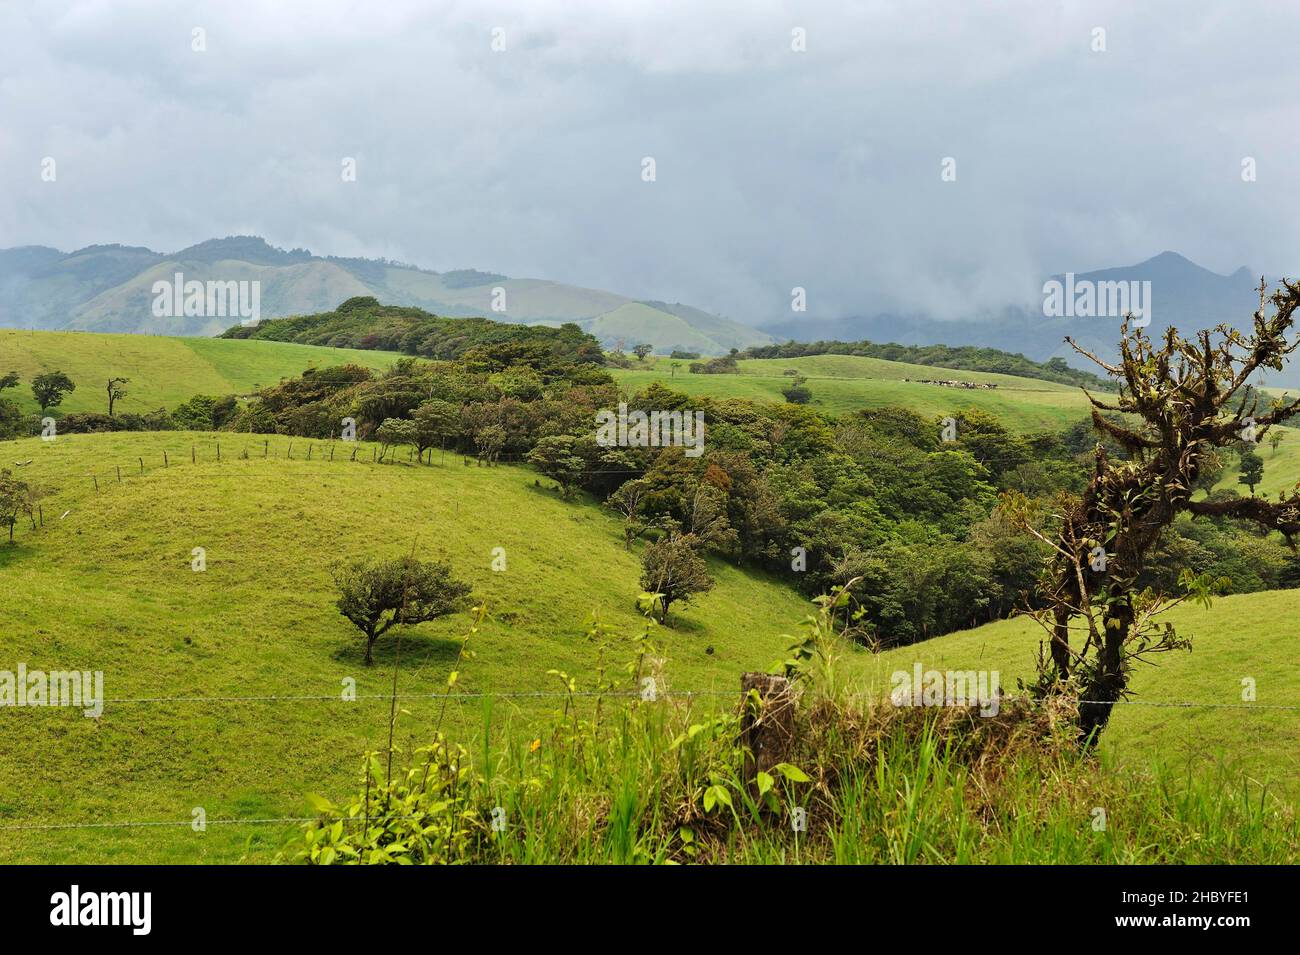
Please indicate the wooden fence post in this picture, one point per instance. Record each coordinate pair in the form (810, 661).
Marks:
(766, 723)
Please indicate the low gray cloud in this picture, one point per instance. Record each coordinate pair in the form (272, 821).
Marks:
(775, 168)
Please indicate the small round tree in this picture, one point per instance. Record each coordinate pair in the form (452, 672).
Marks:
(672, 569)
(1252, 470)
(378, 595)
(48, 389)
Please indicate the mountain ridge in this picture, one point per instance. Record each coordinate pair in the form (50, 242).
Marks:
(109, 288)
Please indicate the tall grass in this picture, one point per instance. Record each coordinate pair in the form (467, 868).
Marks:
(863, 782)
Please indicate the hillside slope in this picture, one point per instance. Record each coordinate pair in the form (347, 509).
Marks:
(163, 371)
(110, 587)
(842, 384)
(1239, 637)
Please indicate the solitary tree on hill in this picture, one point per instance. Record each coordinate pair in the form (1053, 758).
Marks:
(116, 391)
(48, 389)
(673, 569)
(1252, 470)
(378, 595)
(16, 499)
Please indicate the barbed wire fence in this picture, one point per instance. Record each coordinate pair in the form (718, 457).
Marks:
(640, 695)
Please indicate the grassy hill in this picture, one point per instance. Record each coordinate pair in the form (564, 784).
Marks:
(842, 384)
(110, 587)
(166, 371)
(1237, 637)
(163, 371)
(1281, 465)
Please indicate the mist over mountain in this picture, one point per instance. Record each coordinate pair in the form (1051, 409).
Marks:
(1182, 294)
(110, 288)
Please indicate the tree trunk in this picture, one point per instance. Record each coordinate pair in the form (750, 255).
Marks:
(1061, 644)
(370, 646)
(1107, 684)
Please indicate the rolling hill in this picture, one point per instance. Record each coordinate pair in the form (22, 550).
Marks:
(1238, 637)
(841, 384)
(163, 371)
(166, 371)
(110, 587)
(109, 288)
(227, 681)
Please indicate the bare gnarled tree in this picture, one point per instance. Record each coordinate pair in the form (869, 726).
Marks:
(1179, 402)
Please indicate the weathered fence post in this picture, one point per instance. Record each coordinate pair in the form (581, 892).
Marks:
(141, 460)
(119, 474)
(766, 721)
(192, 455)
(165, 464)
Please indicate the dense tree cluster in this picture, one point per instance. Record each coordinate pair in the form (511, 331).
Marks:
(879, 496)
(363, 323)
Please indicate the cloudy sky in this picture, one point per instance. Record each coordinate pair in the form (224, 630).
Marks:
(774, 167)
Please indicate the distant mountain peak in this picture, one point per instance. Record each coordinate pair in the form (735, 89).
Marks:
(247, 248)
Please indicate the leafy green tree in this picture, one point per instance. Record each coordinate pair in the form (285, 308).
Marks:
(11, 420)
(672, 569)
(991, 444)
(626, 501)
(489, 439)
(797, 392)
(1252, 470)
(557, 457)
(48, 389)
(377, 595)
(642, 350)
(197, 414)
(16, 499)
(435, 422)
(394, 433)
